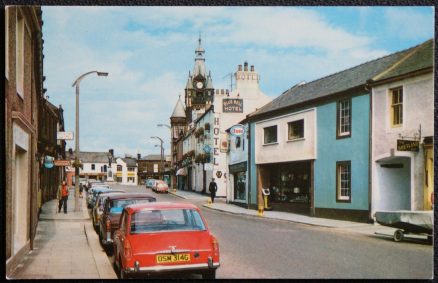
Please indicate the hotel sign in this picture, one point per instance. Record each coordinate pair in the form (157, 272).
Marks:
(406, 145)
(232, 105)
(62, 162)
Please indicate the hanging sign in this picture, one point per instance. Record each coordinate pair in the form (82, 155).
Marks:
(48, 161)
(237, 130)
(64, 135)
(62, 162)
(406, 145)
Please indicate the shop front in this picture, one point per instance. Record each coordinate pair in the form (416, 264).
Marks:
(289, 186)
(238, 182)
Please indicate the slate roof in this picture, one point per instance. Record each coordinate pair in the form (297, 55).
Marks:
(130, 162)
(154, 157)
(179, 111)
(339, 82)
(421, 58)
(90, 157)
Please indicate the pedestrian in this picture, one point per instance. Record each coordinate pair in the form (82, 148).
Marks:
(81, 189)
(212, 188)
(63, 197)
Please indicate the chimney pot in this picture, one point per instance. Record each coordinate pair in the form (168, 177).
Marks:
(252, 68)
(245, 66)
(240, 67)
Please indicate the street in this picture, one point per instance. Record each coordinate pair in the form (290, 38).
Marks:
(253, 247)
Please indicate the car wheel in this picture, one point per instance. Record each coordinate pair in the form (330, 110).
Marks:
(210, 274)
(398, 235)
(122, 273)
(109, 250)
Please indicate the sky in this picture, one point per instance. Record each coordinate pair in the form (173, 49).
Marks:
(149, 51)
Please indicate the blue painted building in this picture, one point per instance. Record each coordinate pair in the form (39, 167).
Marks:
(311, 145)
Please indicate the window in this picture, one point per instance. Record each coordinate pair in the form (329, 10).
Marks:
(19, 48)
(343, 181)
(396, 106)
(237, 142)
(131, 179)
(131, 169)
(119, 167)
(105, 168)
(93, 167)
(343, 118)
(270, 134)
(295, 130)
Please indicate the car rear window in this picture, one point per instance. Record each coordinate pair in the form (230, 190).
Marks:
(166, 220)
(116, 206)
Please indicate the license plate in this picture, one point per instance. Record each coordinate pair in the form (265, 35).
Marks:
(173, 258)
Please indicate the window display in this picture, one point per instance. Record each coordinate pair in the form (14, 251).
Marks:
(240, 186)
(290, 183)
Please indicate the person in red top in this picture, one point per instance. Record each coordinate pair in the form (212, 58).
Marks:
(63, 197)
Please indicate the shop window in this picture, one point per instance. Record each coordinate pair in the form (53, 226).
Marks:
(93, 167)
(296, 130)
(105, 168)
(343, 118)
(240, 186)
(270, 134)
(131, 179)
(119, 167)
(343, 181)
(396, 106)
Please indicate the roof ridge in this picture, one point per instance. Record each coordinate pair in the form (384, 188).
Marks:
(367, 62)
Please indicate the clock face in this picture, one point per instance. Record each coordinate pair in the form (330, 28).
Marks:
(199, 84)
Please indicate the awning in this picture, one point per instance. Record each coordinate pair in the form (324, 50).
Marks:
(181, 172)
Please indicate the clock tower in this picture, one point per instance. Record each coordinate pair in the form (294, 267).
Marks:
(199, 89)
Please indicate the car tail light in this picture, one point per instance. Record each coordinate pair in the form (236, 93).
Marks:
(108, 225)
(127, 249)
(215, 245)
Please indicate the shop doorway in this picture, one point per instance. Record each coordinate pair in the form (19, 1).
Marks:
(289, 185)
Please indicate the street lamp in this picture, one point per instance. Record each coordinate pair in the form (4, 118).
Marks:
(76, 83)
(161, 156)
(171, 153)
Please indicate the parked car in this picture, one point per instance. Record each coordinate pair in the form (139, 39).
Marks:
(150, 183)
(92, 196)
(99, 205)
(92, 181)
(109, 220)
(160, 237)
(160, 187)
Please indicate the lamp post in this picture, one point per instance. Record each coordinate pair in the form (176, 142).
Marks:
(77, 83)
(171, 154)
(161, 156)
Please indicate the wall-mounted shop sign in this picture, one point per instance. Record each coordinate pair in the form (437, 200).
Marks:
(232, 105)
(64, 135)
(62, 162)
(406, 145)
(237, 130)
(219, 174)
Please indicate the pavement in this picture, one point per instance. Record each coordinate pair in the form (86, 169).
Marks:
(220, 204)
(65, 247)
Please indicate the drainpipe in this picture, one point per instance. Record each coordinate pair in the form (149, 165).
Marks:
(249, 165)
(370, 149)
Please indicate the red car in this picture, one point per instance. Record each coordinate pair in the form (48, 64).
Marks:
(161, 238)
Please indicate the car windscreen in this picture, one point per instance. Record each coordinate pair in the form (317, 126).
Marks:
(117, 205)
(166, 220)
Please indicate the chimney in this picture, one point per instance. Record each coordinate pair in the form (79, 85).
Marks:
(111, 151)
(240, 67)
(138, 156)
(245, 66)
(252, 68)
